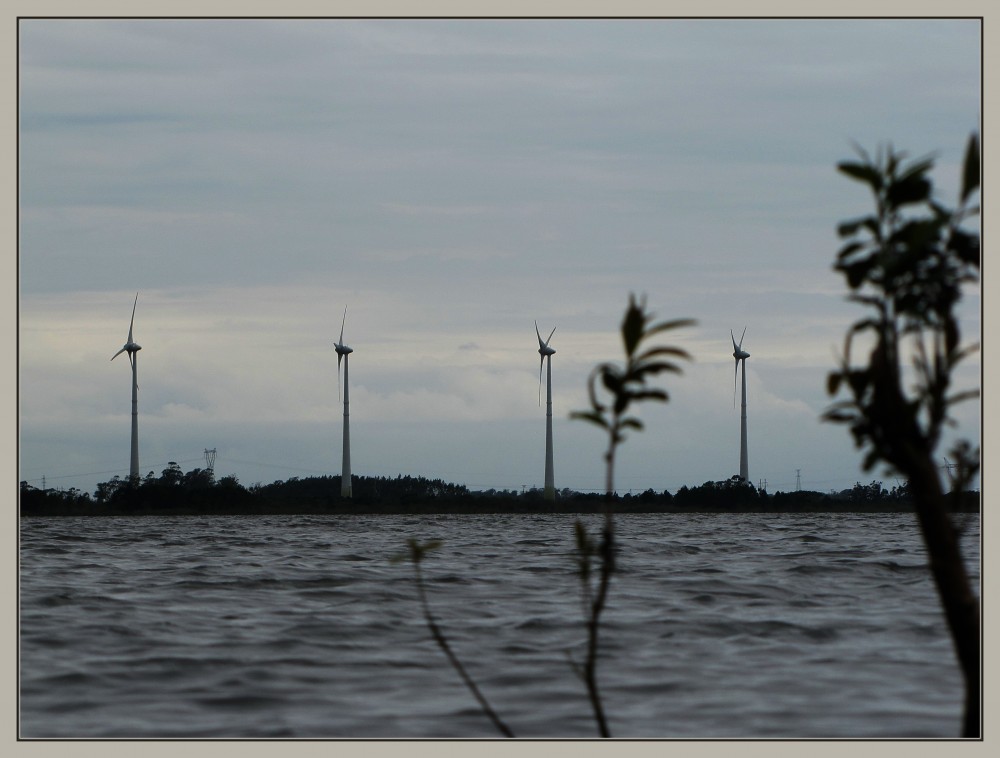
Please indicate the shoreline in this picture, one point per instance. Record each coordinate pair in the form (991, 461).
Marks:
(443, 509)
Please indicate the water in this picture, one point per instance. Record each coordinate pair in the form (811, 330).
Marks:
(717, 626)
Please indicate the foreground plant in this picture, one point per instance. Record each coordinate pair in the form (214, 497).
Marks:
(625, 385)
(907, 263)
(415, 555)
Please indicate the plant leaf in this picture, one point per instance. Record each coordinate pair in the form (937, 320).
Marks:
(970, 173)
(675, 351)
(908, 191)
(833, 382)
(632, 326)
(664, 326)
(863, 173)
(592, 416)
(652, 394)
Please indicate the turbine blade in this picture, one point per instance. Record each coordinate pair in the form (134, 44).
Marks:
(133, 316)
(735, 349)
(342, 329)
(540, 364)
(550, 336)
(742, 336)
(540, 343)
(118, 353)
(736, 370)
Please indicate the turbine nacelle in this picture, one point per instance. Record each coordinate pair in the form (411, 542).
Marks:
(130, 348)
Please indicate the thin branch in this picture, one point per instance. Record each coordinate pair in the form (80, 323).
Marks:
(453, 659)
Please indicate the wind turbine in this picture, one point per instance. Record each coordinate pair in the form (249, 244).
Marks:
(741, 355)
(547, 352)
(343, 351)
(131, 348)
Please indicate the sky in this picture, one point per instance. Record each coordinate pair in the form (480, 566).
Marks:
(450, 182)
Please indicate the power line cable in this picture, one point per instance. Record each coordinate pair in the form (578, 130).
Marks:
(100, 473)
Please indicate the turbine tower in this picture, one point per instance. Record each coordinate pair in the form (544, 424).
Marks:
(343, 351)
(131, 348)
(741, 355)
(547, 352)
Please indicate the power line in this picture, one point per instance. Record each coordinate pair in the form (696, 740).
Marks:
(100, 473)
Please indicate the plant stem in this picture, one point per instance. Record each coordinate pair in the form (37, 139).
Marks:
(453, 659)
(961, 608)
(607, 550)
(593, 624)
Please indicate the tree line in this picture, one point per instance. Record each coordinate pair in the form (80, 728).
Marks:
(199, 492)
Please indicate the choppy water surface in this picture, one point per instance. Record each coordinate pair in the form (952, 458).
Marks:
(717, 626)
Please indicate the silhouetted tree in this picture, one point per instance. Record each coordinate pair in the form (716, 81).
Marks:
(106, 491)
(907, 263)
(867, 493)
(172, 474)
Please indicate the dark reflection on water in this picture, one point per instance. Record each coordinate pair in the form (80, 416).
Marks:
(718, 626)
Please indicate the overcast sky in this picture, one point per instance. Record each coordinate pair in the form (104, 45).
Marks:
(449, 182)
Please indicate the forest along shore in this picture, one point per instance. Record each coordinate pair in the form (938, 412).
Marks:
(199, 493)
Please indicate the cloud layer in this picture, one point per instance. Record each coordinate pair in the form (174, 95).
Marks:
(450, 182)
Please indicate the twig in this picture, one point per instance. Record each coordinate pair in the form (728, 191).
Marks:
(416, 553)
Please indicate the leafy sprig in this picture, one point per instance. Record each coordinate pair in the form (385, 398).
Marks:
(628, 383)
